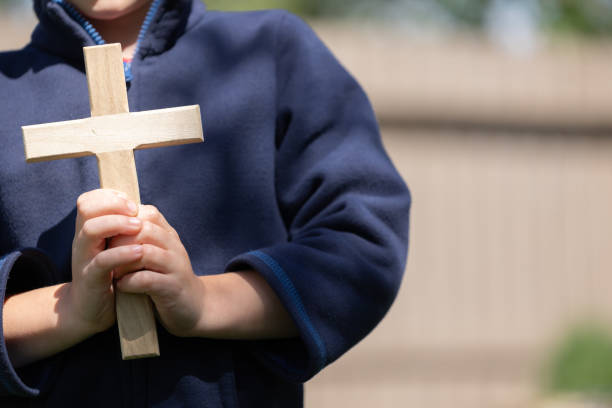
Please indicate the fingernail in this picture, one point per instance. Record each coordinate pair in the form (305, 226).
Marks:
(132, 206)
(137, 249)
(135, 222)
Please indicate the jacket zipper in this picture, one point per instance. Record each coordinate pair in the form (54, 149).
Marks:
(97, 38)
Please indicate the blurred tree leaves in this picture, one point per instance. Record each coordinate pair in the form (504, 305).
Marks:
(471, 12)
(295, 6)
(586, 17)
(583, 17)
(583, 362)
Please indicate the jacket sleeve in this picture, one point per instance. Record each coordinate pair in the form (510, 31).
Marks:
(344, 205)
(20, 271)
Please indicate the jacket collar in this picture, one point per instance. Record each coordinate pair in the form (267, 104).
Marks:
(61, 35)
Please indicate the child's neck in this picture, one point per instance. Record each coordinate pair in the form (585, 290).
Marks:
(124, 29)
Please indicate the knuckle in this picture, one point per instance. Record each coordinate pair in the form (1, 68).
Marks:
(116, 202)
(113, 200)
(150, 213)
(98, 262)
(87, 230)
(147, 251)
(146, 229)
(165, 256)
(152, 256)
(146, 208)
(81, 203)
(145, 281)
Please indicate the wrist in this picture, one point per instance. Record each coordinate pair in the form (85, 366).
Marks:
(213, 320)
(70, 316)
(42, 322)
(202, 327)
(241, 305)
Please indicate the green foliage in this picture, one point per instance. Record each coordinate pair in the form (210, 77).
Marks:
(470, 12)
(583, 363)
(583, 17)
(301, 7)
(236, 5)
(590, 18)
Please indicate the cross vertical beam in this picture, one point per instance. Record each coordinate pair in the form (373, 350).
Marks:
(117, 170)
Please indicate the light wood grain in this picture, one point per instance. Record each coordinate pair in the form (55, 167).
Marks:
(106, 80)
(111, 134)
(125, 131)
(118, 172)
(134, 312)
(108, 102)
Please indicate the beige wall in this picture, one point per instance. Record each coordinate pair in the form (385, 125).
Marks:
(509, 244)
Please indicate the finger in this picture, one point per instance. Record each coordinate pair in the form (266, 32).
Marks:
(100, 202)
(147, 282)
(152, 214)
(153, 259)
(100, 267)
(150, 233)
(96, 230)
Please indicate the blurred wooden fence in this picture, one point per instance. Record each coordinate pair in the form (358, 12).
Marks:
(509, 160)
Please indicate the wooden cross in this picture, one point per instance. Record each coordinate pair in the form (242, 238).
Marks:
(111, 134)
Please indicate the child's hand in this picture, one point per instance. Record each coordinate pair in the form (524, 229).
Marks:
(164, 273)
(101, 214)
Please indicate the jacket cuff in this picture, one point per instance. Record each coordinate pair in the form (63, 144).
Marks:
(21, 271)
(298, 359)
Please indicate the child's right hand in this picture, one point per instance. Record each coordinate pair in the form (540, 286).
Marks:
(101, 214)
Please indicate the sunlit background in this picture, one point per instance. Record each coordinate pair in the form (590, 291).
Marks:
(498, 113)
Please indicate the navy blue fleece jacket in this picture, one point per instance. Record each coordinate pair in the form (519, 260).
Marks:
(292, 181)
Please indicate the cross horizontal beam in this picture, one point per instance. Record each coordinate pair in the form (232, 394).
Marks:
(124, 131)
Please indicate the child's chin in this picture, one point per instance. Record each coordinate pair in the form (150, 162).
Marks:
(108, 10)
(103, 14)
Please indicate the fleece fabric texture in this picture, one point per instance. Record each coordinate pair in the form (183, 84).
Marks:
(292, 181)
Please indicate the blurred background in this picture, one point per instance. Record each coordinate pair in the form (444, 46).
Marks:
(498, 114)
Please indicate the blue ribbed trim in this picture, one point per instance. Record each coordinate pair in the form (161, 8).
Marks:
(78, 17)
(97, 38)
(10, 380)
(296, 302)
(7, 383)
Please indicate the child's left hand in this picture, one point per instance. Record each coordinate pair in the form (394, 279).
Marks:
(164, 273)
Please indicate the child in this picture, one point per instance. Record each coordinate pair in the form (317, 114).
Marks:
(268, 251)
